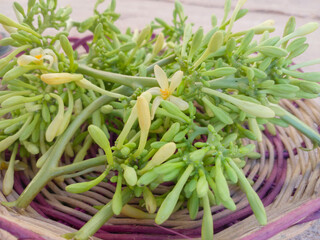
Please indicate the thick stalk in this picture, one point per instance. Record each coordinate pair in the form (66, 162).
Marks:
(161, 63)
(296, 123)
(100, 218)
(47, 172)
(130, 81)
(75, 167)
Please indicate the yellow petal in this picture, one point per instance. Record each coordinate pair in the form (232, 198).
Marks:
(143, 113)
(49, 59)
(49, 52)
(182, 105)
(26, 59)
(36, 52)
(161, 77)
(155, 91)
(147, 95)
(155, 105)
(175, 81)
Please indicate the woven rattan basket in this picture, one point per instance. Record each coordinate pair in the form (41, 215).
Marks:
(286, 179)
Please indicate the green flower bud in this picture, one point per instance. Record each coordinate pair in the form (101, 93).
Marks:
(289, 28)
(245, 41)
(86, 24)
(117, 197)
(251, 155)
(20, 38)
(229, 139)
(147, 178)
(101, 139)
(254, 127)
(12, 128)
(301, 31)
(97, 32)
(271, 129)
(31, 148)
(232, 175)
(67, 48)
(218, 112)
(222, 186)
(253, 198)
(198, 155)
(143, 35)
(78, 106)
(9, 22)
(193, 205)
(271, 51)
(170, 176)
(53, 127)
(295, 44)
(171, 199)
(8, 179)
(265, 84)
(67, 115)
(190, 187)
(309, 87)
(17, 72)
(171, 132)
(30, 128)
(248, 107)
(157, 144)
(215, 42)
(86, 186)
(136, 213)
(156, 124)
(231, 45)
(258, 73)
(196, 43)
(174, 109)
(129, 175)
(158, 44)
(162, 155)
(150, 201)
(202, 186)
(220, 72)
(5, 143)
(207, 221)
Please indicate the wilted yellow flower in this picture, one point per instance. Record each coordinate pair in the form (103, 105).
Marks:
(40, 56)
(166, 90)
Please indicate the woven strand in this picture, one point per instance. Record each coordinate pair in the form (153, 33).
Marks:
(285, 178)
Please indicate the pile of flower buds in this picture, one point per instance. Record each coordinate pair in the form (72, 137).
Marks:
(167, 103)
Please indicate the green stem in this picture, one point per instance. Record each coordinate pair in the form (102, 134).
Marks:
(304, 64)
(94, 224)
(296, 123)
(92, 162)
(47, 172)
(130, 81)
(161, 62)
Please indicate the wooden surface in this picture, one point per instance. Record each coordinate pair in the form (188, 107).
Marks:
(137, 13)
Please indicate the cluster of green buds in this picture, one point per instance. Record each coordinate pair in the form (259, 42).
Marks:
(172, 106)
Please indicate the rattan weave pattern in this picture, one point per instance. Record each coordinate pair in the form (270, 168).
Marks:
(286, 179)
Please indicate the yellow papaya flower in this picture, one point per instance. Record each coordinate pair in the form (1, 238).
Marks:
(40, 56)
(166, 90)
